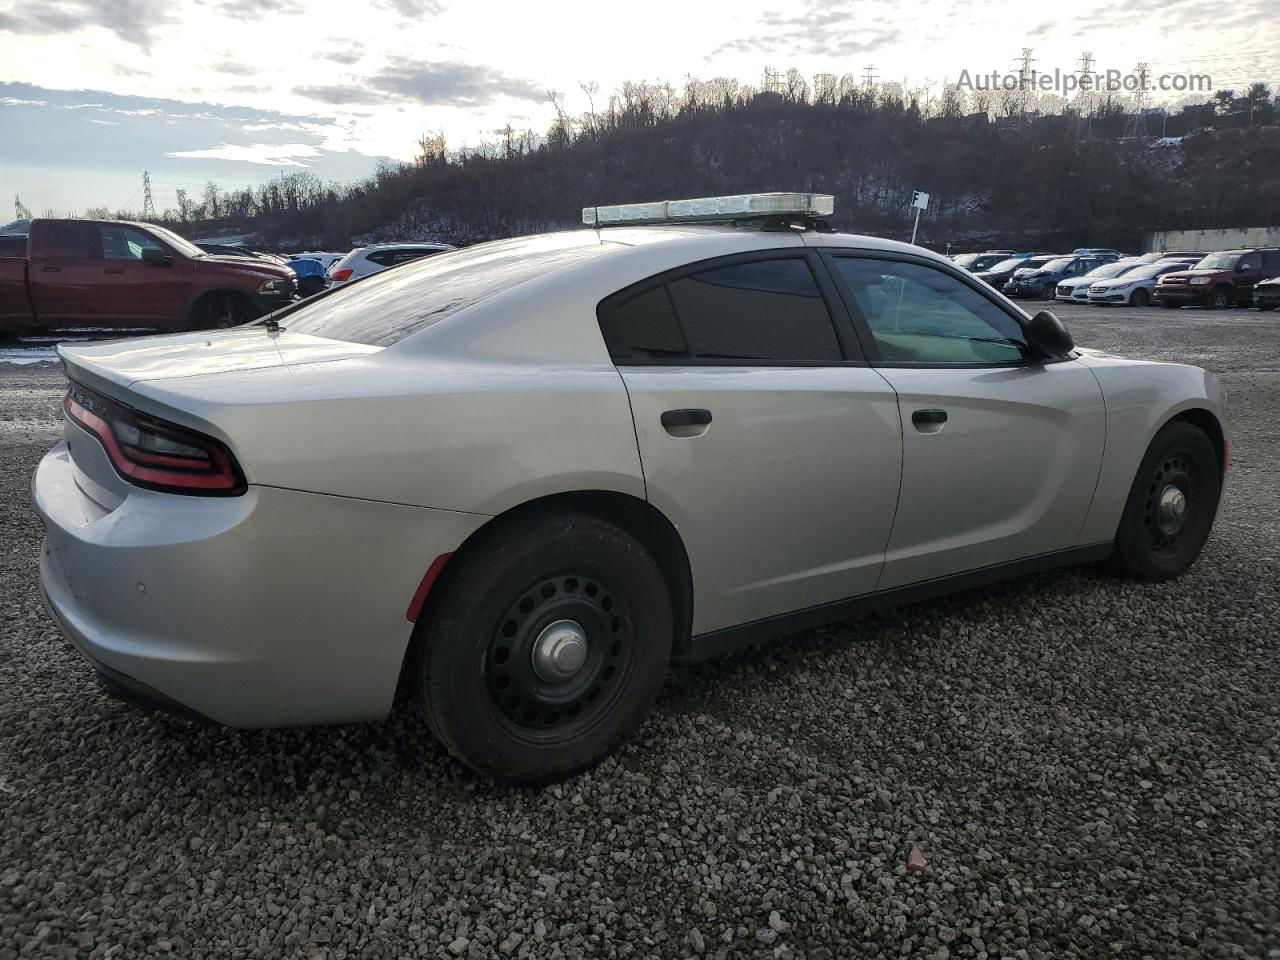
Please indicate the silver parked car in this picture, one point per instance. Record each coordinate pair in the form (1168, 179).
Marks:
(519, 479)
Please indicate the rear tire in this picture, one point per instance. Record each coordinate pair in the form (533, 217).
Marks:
(484, 670)
(1171, 506)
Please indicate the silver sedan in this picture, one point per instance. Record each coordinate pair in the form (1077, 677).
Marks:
(520, 479)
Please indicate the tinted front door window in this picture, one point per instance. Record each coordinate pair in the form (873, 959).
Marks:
(921, 315)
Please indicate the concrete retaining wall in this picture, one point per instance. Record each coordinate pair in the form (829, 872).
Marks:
(1210, 240)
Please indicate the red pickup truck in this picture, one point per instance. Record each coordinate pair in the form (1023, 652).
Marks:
(109, 273)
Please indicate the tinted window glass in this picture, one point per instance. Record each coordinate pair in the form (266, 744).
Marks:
(643, 328)
(388, 307)
(125, 243)
(764, 310)
(72, 241)
(1271, 260)
(13, 246)
(922, 315)
(1251, 261)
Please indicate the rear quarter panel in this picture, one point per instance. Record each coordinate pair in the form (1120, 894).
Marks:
(1141, 397)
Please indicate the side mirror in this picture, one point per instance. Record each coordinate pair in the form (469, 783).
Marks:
(156, 258)
(1048, 336)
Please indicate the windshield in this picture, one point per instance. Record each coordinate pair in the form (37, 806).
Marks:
(1147, 271)
(1006, 265)
(967, 260)
(1218, 261)
(389, 306)
(1109, 270)
(184, 247)
(1053, 266)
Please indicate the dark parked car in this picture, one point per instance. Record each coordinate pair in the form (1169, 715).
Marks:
(1266, 295)
(977, 262)
(1220, 279)
(109, 273)
(1042, 283)
(999, 275)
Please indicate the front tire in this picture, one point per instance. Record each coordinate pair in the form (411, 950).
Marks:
(1140, 298)
(546, 650)
(1171, 506)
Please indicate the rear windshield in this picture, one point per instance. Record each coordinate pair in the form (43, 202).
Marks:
(389, 306)
(1004, 266)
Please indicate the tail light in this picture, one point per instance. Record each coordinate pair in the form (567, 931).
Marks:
(153, 453)
(341, 276)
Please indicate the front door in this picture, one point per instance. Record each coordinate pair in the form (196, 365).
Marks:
(764, 436)
(1001, 452)
(136, 292)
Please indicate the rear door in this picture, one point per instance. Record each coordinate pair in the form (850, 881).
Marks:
(1000, 453)
(135, 291)
(764, 435)
(66, 273)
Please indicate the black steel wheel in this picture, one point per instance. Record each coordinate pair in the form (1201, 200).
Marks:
(1140, 298)
(542, 646)
(1171, 505)
(560, 655)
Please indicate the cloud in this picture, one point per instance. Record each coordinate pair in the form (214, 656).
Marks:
(825, 29)
(133, 21)
(413, 9)
(236, 69)
(350, 52)
(447, 84)
(451, 83)
(256, 9)
(265, 154)
(340, 96)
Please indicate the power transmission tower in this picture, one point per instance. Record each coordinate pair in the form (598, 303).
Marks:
(1085, 96)
(824, 88)
(1137, 124)
(868, 79)
(1025, 73)
(20, 209)
(148, 206)
(772, 82)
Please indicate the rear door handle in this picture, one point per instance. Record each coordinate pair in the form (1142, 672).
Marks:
(52, 269)
(113, 270)
(923, 418)
(686, 418)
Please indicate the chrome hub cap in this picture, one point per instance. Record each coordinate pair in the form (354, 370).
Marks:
(560, 651)
(1172, 508)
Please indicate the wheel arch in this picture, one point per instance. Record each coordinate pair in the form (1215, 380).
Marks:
(196, 298)
(637, 517)
(1207, 421)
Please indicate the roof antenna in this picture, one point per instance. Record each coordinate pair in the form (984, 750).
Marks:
(596, 225)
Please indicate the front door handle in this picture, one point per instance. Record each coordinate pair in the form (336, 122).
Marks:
(52, 269)
(113, 270)
(927, 418)
(686, 418)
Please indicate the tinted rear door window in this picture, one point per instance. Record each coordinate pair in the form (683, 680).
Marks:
(72, 241)
(769, 310)
(644, 328)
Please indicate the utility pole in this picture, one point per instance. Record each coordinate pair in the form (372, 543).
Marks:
(20, 210)
(148, 206)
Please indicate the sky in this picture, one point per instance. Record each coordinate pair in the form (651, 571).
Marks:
(94, 92)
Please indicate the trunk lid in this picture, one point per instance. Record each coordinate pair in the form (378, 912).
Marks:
(116, 364)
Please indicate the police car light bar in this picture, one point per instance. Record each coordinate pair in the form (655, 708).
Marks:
(711, 208)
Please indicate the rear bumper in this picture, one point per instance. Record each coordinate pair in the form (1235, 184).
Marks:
(274, 608)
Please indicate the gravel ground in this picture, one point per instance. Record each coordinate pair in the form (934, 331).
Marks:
(1087, 767)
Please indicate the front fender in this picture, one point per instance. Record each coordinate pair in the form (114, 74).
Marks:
(1141, 398)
